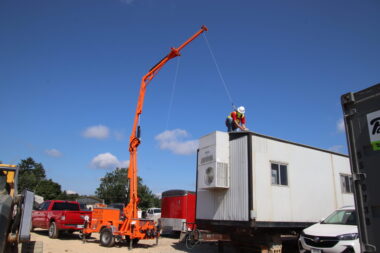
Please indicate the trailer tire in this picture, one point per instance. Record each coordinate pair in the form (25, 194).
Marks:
(192, 238)
(106, 238)
(53, 230)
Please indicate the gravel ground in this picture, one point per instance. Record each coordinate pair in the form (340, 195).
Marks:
(70, 243)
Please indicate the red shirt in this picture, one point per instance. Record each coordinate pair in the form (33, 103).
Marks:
(234, 116)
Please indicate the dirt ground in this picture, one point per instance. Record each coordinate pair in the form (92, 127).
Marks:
(71, 243)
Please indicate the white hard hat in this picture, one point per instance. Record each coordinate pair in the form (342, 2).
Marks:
(241, 109)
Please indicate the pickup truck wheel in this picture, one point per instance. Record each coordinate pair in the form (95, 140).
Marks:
(106, 238)
(53, 230)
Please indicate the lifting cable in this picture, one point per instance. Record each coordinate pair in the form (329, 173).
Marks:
(219, 72)
(172, 93)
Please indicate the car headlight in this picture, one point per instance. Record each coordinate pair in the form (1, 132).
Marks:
(346, 237)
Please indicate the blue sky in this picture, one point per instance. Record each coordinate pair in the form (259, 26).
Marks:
(70, 73)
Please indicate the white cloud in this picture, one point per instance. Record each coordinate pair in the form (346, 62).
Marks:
(108, 161)
(71, 192)
(119, 136)
(97, 132)
(336, 148)
(173, 140)
(124, 164)
(340, 126)
(53, 152)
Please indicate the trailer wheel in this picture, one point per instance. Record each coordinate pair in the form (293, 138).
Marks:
(53, 230)
(192, 238)
(106, 238)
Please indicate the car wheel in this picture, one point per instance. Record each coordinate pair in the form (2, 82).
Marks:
(53, 230)
(106, 238)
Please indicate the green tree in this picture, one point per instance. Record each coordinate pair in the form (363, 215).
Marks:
(48, 189)
(147, 198)
(113, 188)
(66, 196)
(32, 176)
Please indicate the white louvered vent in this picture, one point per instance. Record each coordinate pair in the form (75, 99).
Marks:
(213, 161)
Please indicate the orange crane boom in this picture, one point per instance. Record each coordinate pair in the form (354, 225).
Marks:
(131, 208)
(107, 221)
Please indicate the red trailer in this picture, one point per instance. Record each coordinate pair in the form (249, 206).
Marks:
(177, 211)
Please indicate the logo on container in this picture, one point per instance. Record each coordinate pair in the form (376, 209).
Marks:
(373, 120)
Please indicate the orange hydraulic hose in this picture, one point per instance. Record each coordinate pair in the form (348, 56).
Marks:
(131, 209)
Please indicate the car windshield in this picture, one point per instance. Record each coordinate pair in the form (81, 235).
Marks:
(158, 210)
(342, 217)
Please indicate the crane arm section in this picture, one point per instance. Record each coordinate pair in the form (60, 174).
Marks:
(131, 208)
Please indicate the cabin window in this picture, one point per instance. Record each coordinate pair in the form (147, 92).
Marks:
(279, 174)
(346, 183)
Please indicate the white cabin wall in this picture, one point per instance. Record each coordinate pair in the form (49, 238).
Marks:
(311, 191)
(341, 166)
(229, 204)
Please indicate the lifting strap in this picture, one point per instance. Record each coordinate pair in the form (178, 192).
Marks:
(219, 72)
(172, 93)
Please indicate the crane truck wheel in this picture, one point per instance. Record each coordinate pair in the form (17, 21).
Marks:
(106, 238)
(53, 230)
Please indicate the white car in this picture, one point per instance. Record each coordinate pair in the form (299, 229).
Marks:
(338, 233)
(153, 213)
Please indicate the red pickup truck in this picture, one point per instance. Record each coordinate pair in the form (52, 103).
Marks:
(59, 215)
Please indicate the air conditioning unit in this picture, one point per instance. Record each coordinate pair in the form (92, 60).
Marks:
(213, 161)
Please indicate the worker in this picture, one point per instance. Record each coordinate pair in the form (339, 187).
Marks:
(236, 120)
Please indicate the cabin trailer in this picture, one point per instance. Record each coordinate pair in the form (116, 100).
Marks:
(177, 211)
(256, 187)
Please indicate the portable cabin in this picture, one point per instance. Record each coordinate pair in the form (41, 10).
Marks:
(250, 184)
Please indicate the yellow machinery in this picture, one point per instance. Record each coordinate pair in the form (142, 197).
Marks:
(15, 213)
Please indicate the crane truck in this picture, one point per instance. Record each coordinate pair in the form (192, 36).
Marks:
(106, 221)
